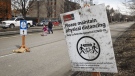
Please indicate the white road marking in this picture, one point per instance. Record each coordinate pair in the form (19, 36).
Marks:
(7, 55)
(8, 37)
(12, 36)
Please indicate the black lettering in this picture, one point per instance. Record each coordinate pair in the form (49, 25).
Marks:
(70, 25)
(87, 21)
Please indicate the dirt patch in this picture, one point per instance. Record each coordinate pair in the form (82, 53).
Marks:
(124, 49)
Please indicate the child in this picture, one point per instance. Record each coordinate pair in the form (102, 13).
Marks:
(45, 30)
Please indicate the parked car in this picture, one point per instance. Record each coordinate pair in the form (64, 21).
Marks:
(34, 20)
(14, 22)
(55, 23)
(43, 22)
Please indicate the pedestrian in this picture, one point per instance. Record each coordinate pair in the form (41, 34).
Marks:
(94, 48)
(45, 30)
(50, 25)
(82, 49)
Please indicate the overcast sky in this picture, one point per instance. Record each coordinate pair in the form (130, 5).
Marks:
(116, 4)
(113, 3)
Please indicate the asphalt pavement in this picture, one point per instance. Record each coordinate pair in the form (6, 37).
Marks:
(46, 56)
(37, 29)
(43, 60)
(30, 30)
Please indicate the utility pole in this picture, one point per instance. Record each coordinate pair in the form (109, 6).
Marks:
(38, 9)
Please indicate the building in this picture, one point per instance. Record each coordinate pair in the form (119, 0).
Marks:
(5, 9)
(51, 8)
(70, 6)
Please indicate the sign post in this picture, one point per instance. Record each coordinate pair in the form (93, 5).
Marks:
(23, 32)
(88, 39)
(23, 46)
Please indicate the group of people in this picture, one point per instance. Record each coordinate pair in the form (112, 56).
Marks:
(47, 29)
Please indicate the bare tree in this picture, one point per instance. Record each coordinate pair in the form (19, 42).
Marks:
(108, 12)
(130, 5)
(62, 7)
(22, 5)
(70, 6)
(49, 9)
(113, 15)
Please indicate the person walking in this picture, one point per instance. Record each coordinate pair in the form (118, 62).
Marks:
(45, 30)
(94, 48)
(50, 25)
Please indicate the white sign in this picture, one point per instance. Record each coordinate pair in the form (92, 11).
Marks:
(23, 32)
(88, 38)
(23, 27)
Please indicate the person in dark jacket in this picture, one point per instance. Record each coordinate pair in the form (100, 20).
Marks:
(50, 25)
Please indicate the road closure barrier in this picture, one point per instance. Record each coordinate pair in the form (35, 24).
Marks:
(89, 41)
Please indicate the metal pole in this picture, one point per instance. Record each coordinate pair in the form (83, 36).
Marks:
(38, 9)
(23, 41)
(23, 44)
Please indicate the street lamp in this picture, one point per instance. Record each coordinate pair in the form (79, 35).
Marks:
(112, 14)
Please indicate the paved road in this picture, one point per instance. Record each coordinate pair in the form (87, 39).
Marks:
(5, 32)
(118, 28)
(48, 56)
